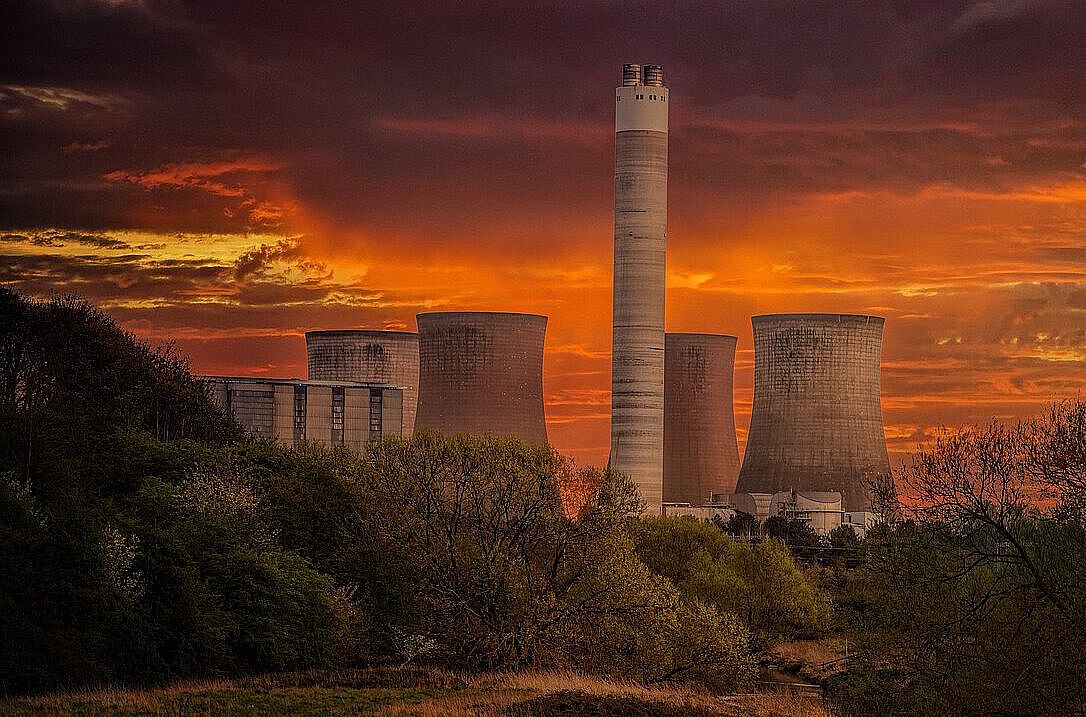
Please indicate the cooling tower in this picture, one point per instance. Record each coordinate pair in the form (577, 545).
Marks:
(637, 341)
(390, 357)
(816, 423)
(482, 372)
(700, 451)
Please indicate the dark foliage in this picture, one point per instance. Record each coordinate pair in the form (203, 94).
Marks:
(794, 533)
(971, 599)
(143, 538)
(129, 550)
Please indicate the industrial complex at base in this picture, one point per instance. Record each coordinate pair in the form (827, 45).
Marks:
(816, 432)
(821, 510)
(291, 411)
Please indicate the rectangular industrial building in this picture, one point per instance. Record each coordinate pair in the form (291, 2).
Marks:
(291, 411)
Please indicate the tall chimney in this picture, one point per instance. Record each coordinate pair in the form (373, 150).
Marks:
(637, 350)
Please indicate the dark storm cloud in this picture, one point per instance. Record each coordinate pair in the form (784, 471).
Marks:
(54, 237)
(356, 102)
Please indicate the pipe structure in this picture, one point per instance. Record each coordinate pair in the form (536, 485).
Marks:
(816, 423)
(637, 341)
(701, 455)
(482, 373)
(368, 356)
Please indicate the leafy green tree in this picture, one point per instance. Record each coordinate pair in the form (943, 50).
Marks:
(758, 583)
(116, 567)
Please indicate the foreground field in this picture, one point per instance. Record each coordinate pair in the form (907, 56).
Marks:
(418, 692)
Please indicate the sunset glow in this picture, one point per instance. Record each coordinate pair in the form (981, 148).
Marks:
(349, 172)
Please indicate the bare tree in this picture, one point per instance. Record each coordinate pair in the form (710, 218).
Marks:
(979, 574)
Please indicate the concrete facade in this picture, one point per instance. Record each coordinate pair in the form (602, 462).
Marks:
(290, 411)
(701, 454)
(368, 356)
(819, 509)
(816, 423)
(637, 349)
(482, 373)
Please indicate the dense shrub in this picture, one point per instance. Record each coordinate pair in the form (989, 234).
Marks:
(758, 583)
(130, 549)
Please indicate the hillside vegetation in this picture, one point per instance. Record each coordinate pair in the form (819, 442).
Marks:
(146, 541)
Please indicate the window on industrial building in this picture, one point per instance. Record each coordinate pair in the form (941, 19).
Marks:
(376, 406)
(338, 400)
(299, 412)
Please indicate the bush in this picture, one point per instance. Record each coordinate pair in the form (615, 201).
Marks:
(758, 583)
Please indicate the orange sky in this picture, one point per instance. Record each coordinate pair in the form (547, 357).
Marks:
(266, 175)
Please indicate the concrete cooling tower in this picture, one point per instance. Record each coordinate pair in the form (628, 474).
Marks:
(637, 340)
(482, 372)
(390, 357)
(701, 455)
(816, 424)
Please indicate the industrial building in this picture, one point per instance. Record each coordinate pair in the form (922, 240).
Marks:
(290, 411)
(816, 423)
(367, 356)
(701, 454)
(637, 358)
(821, 510)
(482, 372)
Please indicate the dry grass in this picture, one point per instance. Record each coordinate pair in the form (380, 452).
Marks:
(808, 652)
(422, 693)
(496, 693)
(780, 704)
(809, 658)
(110, 698)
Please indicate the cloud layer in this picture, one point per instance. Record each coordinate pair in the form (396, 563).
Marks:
(228, 175)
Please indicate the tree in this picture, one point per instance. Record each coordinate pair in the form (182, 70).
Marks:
(844, 537)
(741, 525)
(115, 569)
(760, 584)
(499, 576)
(794, 533)
(976, 604)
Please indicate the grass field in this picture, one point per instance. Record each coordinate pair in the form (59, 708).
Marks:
(417, 692)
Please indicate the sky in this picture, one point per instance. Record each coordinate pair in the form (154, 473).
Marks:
(229, 175)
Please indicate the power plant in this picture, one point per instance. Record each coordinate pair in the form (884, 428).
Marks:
(816, 430)
(816, 423)
(388, 357)
(701, 455)
(637, 338)
(482, 372)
